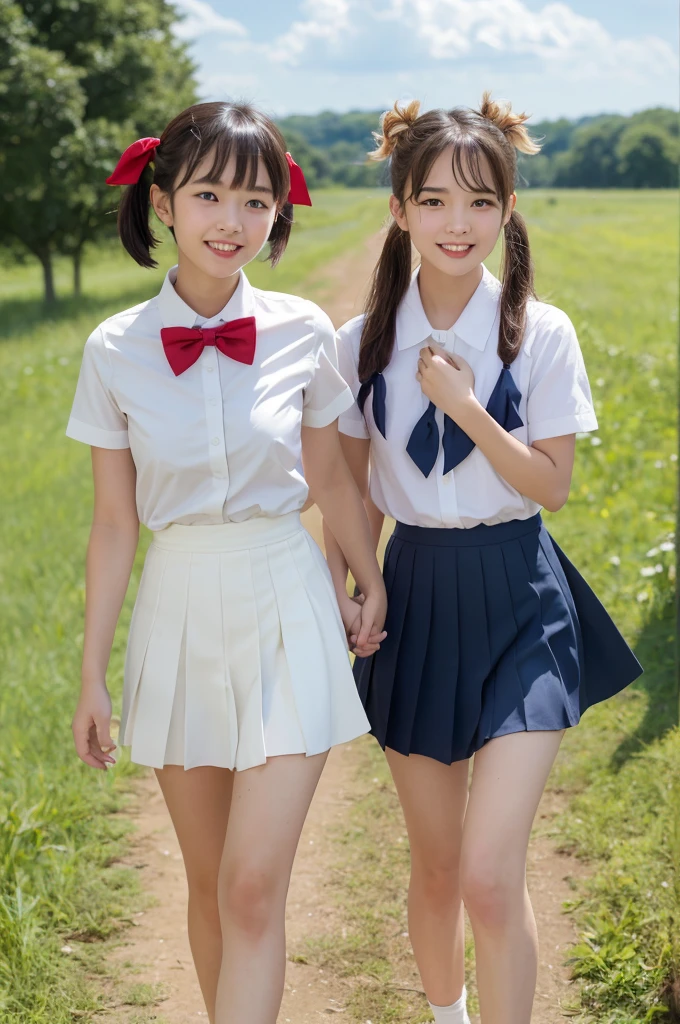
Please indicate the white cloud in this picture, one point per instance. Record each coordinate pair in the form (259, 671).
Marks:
(201, 19)
(456, 28)
(409, 34)
(328, 21)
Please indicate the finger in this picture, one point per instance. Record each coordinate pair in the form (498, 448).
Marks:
(103, 735)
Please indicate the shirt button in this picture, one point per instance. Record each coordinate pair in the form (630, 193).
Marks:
(210, 369)
(215, 440)
(213, 401)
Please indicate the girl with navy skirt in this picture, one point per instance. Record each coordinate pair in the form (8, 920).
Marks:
(199, 405)
(469, 395)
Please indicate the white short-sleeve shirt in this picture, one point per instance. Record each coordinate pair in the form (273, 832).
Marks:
(549, 372)
(221, 442)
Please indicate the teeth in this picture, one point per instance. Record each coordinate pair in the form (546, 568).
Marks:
(223, 246)
(456, 248)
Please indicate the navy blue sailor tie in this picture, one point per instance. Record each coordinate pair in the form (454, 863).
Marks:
(423, 445)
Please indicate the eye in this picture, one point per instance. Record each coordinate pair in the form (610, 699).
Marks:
(484, 202)
(260, 205)
(432, 202)
(201, 195)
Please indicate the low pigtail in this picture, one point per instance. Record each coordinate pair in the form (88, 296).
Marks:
(280, 233)
(390, 282)
(133, 221)
(518, 288)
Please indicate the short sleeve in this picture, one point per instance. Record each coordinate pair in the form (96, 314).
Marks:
(327, 395)
(95, 417)
(559, 400)
(348, 339)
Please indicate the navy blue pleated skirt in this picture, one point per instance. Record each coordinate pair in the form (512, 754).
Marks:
(490, 631)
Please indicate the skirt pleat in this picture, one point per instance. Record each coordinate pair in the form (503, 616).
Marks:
(491, 631)
(237, 650)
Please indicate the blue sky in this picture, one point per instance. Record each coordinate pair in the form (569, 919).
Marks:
(550, 58)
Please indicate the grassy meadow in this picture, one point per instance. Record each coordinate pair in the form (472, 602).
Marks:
(610, 260)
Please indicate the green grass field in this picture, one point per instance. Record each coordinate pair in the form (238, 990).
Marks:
(610, 260)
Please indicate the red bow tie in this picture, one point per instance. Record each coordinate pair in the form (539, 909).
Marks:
(183, 345)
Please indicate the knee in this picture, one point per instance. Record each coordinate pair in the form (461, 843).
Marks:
(202, 885)
(492, 893)
(247, 898)
(437, 880)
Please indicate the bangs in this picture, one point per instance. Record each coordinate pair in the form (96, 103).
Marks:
(469, 153)
(232, 136)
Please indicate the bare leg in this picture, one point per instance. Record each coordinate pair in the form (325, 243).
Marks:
(198, 801)
(508, 779)
(433, 797)
(268, 809)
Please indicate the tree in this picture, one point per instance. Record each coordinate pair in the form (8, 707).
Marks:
(41, 102)
(84, 78)
(648, 157)
(591, 161)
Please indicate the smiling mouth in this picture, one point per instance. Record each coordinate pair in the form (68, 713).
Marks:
(224, 247)
(456, 251)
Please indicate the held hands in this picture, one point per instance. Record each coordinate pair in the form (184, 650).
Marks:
(91, 727)
(363, 618)
(446, 380)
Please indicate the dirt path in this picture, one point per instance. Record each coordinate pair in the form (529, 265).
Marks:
(155, 978)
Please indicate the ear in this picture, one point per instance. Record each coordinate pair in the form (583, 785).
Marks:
(512, 202)
(161, 204)
(397, 212)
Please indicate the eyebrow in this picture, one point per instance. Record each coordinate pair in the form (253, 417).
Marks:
(207, 180)
(476, 191)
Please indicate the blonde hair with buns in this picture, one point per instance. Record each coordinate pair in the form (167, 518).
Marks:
(484, 143)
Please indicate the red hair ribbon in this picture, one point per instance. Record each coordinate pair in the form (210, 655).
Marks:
(133, 161)
(129, 169)
(298, 195)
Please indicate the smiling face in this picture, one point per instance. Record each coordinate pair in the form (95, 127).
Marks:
(453, 227)
(220, 225)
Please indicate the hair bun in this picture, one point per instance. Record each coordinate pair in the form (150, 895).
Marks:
(393, 123)
(511, 124)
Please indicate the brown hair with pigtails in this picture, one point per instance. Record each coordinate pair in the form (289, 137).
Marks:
(413, 141)
(219, 130)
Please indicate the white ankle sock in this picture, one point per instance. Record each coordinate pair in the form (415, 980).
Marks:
(456, 1013)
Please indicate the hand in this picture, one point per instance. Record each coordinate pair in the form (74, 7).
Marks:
(446, 380)
(367, 630)
(350, 610)
(91, 727)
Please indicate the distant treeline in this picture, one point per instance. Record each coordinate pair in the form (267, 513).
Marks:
(608, 151)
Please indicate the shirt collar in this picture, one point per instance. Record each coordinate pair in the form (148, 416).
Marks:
(473, 326)
(175, 312)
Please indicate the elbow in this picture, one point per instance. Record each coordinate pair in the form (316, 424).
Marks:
(556, 500)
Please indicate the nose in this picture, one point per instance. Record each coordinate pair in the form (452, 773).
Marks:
(459, 221)
(229, 219)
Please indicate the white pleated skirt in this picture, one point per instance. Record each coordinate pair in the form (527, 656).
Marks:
(236, 650)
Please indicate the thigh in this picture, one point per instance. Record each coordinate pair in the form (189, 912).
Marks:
(268, 809)
(198, 801)
(433, 797)
(508, 779)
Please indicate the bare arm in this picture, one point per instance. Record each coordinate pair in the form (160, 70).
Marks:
(356, 452)
(541, 472)
(110, 554)
(339, 501)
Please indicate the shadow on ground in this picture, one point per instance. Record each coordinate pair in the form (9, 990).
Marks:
(656, 652)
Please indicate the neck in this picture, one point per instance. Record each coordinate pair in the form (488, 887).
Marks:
(445, 297)
(207, 296)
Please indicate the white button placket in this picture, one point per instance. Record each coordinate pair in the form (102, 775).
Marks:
(446, 484)
(212, 393)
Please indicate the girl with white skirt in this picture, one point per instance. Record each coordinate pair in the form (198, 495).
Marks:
(200, 406)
